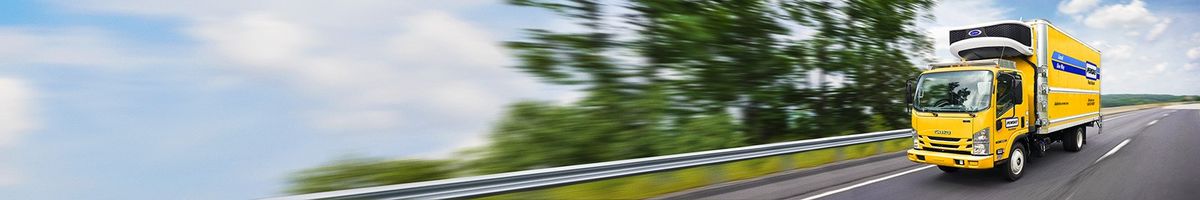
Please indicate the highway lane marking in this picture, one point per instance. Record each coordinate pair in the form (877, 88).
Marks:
(867, 183)
(1152, 122)
(1110, 119)
(1120, 115)
(1114, 150)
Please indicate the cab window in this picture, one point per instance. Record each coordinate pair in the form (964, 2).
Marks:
(1005, 96)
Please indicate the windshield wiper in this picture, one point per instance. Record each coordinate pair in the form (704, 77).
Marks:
(937, 109)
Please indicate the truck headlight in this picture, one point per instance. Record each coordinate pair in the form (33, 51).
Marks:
(916, 139)
(980, 143)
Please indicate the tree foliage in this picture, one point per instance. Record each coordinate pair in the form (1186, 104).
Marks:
(680, 76)
(1114, 100)
(667, 77)
(364, 172)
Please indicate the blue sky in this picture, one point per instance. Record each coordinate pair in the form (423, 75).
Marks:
(165, 99)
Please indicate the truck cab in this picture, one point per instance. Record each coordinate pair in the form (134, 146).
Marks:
(960, 113)
(1006, 101)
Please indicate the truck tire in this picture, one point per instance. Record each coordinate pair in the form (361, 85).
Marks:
(948, 169)
(1014, 168)
(1073, 139)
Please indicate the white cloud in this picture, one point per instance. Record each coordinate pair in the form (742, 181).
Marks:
(1193, 53)
(369, 119)
(1133, 14)
(441, 35)
(368, 58)
(77, 46)
(374, 67)
(1158, 29)
(10, 177)
(1076, 6)
(1160, 67)
(1133, 19)
(18, 118)
(1119, 51)
(256, 39)
(18, 106)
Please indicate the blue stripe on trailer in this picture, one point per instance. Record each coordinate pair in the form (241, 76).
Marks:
(1064, 58)
(1067, 68)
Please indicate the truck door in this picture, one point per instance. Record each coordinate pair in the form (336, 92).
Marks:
(1011, 112)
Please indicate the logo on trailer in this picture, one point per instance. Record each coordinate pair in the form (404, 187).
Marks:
(975, 32)
(1066, 63)
(1093, 72)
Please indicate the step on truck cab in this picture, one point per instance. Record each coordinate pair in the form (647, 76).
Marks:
(1019, 87)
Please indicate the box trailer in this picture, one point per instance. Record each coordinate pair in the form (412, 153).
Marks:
(1020, 86)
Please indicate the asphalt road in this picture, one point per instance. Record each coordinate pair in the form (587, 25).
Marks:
(1160, 159)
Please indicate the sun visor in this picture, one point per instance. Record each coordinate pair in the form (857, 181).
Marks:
(994, 40)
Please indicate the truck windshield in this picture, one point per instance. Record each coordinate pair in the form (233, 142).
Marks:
(960, 91)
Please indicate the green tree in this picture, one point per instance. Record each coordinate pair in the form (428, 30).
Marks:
(870, 44)
(620, 94)
(886, 40)
(704, 133)
(699, 62)
(364, 172)
(667, 77)
(725, 55)
(537, 134)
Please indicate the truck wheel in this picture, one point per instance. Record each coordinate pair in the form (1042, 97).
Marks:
(1013, 169)
(948, 169)
(1073, 139)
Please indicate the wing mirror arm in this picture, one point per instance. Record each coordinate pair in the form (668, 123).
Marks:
(908, 95)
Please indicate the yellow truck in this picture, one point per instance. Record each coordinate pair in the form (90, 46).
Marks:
(1020, 86)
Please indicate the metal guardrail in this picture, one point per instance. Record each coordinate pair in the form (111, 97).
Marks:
(485, 185)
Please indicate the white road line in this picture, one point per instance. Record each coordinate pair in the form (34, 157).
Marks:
(1114, 150)
(1120, 115)
(1166, 114)
(1110, 119)
(867, 182)
(1152, 122)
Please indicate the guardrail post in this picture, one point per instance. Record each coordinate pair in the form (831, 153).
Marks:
(879, 146)
(786, 162)
(658, 180)
(715, 174)
(840, 153)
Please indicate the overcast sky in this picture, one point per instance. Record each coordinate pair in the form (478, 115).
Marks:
(220, 99)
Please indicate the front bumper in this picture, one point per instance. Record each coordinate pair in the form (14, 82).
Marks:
(951, 160)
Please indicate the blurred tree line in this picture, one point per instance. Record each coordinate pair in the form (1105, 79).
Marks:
(667, 77)
(1115, 100)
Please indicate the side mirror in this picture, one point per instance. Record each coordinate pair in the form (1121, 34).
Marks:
(908, 93)
(1018, 92)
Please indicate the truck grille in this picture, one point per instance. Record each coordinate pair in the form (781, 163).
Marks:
(945, 139)
(947, 144)
(950, 151)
